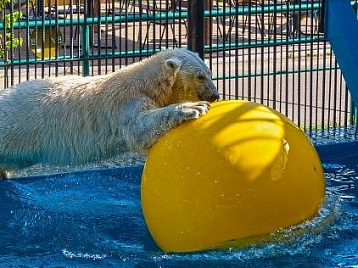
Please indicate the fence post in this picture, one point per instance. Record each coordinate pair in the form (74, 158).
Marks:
(322, 17)
(86, 40)
(196, 26)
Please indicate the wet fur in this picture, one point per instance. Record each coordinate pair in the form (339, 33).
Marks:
(75, 120)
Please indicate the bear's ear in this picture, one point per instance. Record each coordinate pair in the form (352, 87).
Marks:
(172, 64)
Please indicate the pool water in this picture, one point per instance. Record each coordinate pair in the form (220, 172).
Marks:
(94, 219)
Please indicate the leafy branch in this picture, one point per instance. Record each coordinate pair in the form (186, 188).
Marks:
(8, 40)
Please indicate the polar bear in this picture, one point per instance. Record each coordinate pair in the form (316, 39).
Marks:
(74, 120)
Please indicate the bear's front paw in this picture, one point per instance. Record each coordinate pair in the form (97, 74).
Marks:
(192, 110)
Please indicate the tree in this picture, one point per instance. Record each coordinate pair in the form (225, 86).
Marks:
(8, 40)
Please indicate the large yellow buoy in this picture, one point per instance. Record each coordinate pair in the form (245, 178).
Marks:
(235, 174)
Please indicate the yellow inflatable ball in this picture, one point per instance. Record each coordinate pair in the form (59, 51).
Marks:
(229, 177)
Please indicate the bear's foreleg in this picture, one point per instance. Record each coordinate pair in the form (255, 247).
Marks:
(150, 124)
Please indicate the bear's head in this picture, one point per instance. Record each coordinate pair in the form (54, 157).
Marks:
(192, 77)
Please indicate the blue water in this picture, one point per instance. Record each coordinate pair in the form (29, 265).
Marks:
(94, 219)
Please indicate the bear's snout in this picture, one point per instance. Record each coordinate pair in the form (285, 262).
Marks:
(214, 97)
(209, 96)
(210, 93)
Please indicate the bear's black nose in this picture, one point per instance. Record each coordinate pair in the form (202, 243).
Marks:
(214, 97)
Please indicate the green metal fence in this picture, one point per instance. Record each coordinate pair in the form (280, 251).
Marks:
(272, 52)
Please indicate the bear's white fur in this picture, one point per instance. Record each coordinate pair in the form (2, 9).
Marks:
(75, 120)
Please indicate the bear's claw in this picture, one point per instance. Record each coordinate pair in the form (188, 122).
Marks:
(193, 110)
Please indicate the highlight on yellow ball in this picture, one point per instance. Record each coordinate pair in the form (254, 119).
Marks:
(235, 174)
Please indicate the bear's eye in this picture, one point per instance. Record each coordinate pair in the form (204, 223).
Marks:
(201, 77)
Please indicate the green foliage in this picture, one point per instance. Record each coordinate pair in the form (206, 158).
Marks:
(8, 40)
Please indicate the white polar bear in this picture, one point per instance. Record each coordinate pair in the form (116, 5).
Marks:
(75, 120)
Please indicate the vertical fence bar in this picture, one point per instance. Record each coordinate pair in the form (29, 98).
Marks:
(11, 41)
(86, 40)
(114, 46)
(18, 49)
(97, 13)
(196, 26)
(27, 42)
(275, 57)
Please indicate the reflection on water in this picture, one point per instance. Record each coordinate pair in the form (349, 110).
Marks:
(333, 135)
(125, 160)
